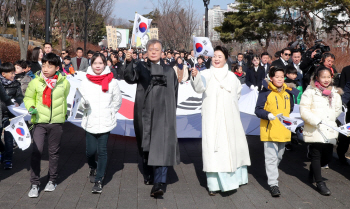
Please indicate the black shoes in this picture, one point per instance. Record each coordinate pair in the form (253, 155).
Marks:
(158, 190)
(275, 191)
(92, 175)
(322, 189)
(97, 188)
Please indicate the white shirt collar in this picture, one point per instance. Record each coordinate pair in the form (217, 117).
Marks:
(284, 62)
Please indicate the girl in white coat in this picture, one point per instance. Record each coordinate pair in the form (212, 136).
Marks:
(224, 144)
(320, 104)
(101, 100)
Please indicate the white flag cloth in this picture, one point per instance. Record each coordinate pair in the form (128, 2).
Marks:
(19, 130)
(290, 123)
(247, 101)
(141, 25)
(345, 129)
(75, 105)
(202, 46)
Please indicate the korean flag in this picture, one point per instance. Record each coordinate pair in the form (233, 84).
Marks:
(141, 25)
(19, 130)
(202, 46)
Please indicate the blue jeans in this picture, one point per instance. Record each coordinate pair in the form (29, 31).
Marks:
(7, 150)
(97, 143)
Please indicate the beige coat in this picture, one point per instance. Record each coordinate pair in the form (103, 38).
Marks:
(224, 144)
(315, 108)
(185, 73)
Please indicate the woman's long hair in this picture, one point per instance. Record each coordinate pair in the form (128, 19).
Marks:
(35, 54)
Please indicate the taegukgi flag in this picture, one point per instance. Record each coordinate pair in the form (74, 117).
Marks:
(19, 130)
(202, 46)
(141, 25)
(75, 105)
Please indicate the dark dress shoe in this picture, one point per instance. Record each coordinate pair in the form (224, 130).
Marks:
(275, 191)
(157, 190)
(211, 193)
(322, 188)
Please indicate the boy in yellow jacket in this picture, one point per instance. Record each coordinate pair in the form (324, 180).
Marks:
(275, 98)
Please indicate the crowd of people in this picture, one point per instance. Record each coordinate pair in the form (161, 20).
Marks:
(293, 78)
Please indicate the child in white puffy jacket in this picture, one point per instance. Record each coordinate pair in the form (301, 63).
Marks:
(320, 104)
(101, 101)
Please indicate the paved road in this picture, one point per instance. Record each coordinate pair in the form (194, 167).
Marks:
(124, 186)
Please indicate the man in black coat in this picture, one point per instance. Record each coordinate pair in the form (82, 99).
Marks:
(155, 115)
(264, 62)
(207, 62)
(283, 61)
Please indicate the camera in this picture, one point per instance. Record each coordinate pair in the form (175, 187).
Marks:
(320, 49)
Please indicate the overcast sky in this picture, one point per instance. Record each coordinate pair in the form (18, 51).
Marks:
(126, 8)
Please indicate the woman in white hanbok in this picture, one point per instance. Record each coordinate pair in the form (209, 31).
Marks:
(224, 144)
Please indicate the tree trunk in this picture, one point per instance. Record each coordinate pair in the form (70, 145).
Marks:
(64, 34)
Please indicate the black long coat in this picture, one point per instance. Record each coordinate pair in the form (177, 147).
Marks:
(250, 77)
(155, 111)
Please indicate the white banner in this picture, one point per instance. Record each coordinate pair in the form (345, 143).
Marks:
(122, 37)
(189, 119)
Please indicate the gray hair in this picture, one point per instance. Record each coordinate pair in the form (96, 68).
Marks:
(152, 42)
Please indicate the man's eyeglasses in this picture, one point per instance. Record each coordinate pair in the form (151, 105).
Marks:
(287, 54)
(63, 53)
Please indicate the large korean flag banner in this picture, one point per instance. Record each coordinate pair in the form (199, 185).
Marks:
(20, 132)
(202, 46)
(141, 25)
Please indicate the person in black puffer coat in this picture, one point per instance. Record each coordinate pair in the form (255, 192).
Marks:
(12, 88)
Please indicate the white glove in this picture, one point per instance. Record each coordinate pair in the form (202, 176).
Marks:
(86, 104)
(252, 87)
(256, 88)
(271, 116)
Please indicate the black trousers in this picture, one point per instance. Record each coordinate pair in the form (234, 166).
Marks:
(156, 173)
(321, 155)
(53, 133)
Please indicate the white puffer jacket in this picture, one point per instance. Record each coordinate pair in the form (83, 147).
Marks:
(101, 117)
(315, 108)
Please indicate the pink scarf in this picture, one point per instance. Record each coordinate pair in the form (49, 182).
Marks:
(325, 92)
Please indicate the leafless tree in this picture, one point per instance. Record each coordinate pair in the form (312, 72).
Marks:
(177, 23)
(18, 12)
(5, 10)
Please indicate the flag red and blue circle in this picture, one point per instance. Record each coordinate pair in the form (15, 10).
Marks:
(348, 127)
(199, 47)
(287, 122)
(20, 131)
(143, 27)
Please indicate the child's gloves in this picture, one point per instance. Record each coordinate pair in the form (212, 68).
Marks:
(33, 110)
(252, 87)
(271, 116)
(86, 104)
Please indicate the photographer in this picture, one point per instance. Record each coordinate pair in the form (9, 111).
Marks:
(313, 58)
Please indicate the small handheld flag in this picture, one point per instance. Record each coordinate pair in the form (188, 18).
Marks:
(75, 105)
(202, 46)
(141, 25)
(290, 123)
(19, 130)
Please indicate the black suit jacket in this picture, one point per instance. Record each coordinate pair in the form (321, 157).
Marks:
(279, 63)
(207, 63)
(250, 77)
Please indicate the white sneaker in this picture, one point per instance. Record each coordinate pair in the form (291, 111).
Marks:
(34, 191)
(50, 186)
(326, 166)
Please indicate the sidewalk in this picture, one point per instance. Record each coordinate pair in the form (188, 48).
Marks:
(124, 186)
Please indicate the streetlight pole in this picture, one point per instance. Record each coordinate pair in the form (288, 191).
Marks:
(206, 3)
(47, 23)
(87, 5)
